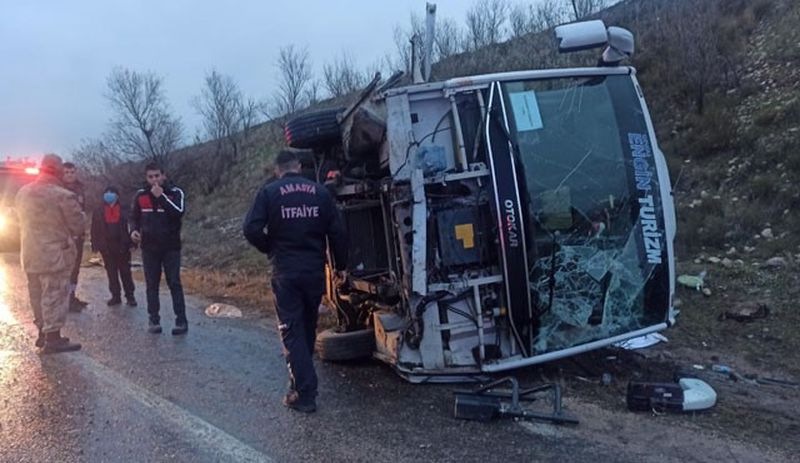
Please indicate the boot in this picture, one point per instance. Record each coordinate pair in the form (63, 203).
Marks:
(40, 338)
(294, 401)
(180, 328)
(75, 304)
(54, 344)
(130, 301)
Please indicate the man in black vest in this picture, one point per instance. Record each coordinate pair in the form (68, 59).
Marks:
(290, 220)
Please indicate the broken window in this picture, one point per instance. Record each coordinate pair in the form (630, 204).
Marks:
(596, 242)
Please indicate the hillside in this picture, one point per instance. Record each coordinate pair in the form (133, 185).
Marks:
(734, 165)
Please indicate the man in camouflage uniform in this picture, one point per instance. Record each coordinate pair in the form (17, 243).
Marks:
(50, 218)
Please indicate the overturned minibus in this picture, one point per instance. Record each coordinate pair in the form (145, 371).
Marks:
(497, 221)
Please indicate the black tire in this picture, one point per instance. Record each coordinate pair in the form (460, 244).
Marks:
(314, 130)
(333, 346)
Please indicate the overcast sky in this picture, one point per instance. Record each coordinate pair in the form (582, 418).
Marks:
(55, 55)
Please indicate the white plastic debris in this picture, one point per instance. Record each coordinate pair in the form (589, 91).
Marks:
(697, 394)
(642, 341)
(693, 281)
(220, 310)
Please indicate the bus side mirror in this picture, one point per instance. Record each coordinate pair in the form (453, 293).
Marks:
(581, 36)
(620, 46)
(593, 34)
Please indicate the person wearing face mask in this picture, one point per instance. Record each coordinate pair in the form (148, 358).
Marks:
(110, 238)
(50, 218)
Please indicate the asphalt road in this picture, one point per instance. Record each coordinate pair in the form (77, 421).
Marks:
(214, 395)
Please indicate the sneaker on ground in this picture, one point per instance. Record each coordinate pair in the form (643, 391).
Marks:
(180, 328)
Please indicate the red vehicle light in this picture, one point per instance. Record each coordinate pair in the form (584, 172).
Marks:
(32, 170)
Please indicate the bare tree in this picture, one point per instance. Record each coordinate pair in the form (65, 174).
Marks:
(222, 107)
(689, 30)
(227, 118)
(548, 14)
(341, 77)
(294, 66)
(584, 8)
(519, 20)
(402, 42)
(249, 115)
(311, 95)
(100, 162)
(142, 126)
(485, 22)
(95, 157)
(218, 104)
(542, 16)
(449, 39)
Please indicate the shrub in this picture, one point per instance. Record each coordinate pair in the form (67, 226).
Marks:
(783, 115)
(703, 225)
(761, 9)
(790, 153)
(713, 131)
(764, 186)
(748, 218)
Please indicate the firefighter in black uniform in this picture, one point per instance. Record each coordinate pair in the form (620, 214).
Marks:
(289, 221)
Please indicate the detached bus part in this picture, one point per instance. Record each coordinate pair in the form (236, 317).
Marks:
(497, 221)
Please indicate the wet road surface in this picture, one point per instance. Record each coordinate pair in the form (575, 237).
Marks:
(214, 395)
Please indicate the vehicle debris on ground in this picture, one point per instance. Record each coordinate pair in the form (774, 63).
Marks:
(489, 401)
(746, 313)
(687, 394)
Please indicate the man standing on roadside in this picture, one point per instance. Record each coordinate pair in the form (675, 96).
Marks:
(156, 225)
(74, 185)
(50, 218)
(289, 221)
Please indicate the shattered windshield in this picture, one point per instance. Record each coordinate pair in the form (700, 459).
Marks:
(596, 246)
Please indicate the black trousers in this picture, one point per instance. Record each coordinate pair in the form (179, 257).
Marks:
(153, 261)
(118, 268)
(297, 299)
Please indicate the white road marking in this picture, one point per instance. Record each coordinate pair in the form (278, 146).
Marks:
(200, 433)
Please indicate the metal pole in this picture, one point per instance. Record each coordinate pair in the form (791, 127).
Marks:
(430, 34)
(462, 150)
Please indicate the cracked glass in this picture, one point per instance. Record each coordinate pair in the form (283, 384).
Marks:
(595, 239)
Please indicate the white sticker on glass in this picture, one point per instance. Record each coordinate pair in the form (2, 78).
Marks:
(526, 111)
